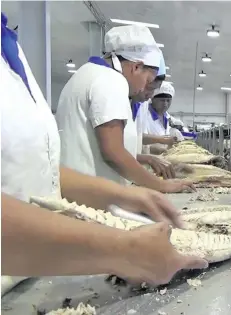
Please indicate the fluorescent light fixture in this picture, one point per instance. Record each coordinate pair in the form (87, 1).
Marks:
(224, 88)
(199, 88)
(168, 75)
(213, 33)
(72, 71)
(160, 45)
(126, 22)
(167, 68)
(206, 58)
(202, 74)
(70, 64)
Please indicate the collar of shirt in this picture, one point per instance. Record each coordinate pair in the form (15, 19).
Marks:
(155, 116)
(135, 109)
(10, 52)
(99, 61)
(189, 134)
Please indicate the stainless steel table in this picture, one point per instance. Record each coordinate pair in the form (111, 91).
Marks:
(212, 298)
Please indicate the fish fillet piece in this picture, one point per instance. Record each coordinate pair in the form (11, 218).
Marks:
(201, 175)
(80, 310)
(188, 152)
(202, 209)
(212, 247)
(221, 190)
(215, 222)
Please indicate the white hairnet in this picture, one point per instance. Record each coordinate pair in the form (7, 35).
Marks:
(162, 67)
(166, 88)
(134, 43)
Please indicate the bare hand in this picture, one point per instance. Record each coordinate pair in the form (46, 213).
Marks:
(161, 167)
(150, 257)
(178, 185)
(170, 141)
(152, 203)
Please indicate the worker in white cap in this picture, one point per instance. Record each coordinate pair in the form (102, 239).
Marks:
(180, 131)
(175, 126)
(158, 117)
(98, 134)
(38, 242)
(140, 105)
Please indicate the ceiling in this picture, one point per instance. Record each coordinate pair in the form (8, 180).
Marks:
(182, 25)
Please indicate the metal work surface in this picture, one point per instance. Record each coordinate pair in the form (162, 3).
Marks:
(211, 298)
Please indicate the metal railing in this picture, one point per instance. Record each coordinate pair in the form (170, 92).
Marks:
(217, 140)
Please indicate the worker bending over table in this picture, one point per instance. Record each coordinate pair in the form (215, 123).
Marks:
(98, 133)
(37, 242)
(140, 107)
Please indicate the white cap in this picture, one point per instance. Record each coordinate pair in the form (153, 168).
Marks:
(166, 88)
(134, 43)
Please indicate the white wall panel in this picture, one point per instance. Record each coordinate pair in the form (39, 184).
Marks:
(210, 107)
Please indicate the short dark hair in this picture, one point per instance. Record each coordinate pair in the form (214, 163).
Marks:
(161, 77)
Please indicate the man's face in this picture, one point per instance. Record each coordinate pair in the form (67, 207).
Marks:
(149, 90)
(138, 77)
(161, 104)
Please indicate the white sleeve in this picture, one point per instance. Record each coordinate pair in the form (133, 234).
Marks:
(176, 133)
(109, 100)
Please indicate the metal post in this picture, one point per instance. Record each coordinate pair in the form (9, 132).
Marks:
(221, 141)
(214, 142)
(194, 90)
(96, 39)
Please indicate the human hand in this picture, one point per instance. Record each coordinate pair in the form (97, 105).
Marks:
(170, 141)
(150, 202)
(161, 167)
(177, 185)
(148, 256)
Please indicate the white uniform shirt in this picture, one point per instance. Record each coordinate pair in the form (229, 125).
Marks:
(174, 132)
(30, 145)
(93, 96)
(141, 123)
(156, 127)
(30, 141)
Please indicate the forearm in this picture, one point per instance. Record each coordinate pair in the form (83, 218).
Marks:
(143, 158)
(152, 139)
(94, 192)
(128, 167)
(37, 242)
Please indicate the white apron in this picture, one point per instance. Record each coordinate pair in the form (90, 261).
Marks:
(30, 143)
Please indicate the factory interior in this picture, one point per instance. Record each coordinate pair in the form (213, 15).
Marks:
(192, 152)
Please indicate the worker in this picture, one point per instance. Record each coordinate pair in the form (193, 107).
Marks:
(158, 116)
(94, 109)
(178, 130)
(37, 242)
(140, 105)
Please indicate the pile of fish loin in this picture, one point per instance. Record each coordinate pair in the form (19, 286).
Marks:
(197, 164)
